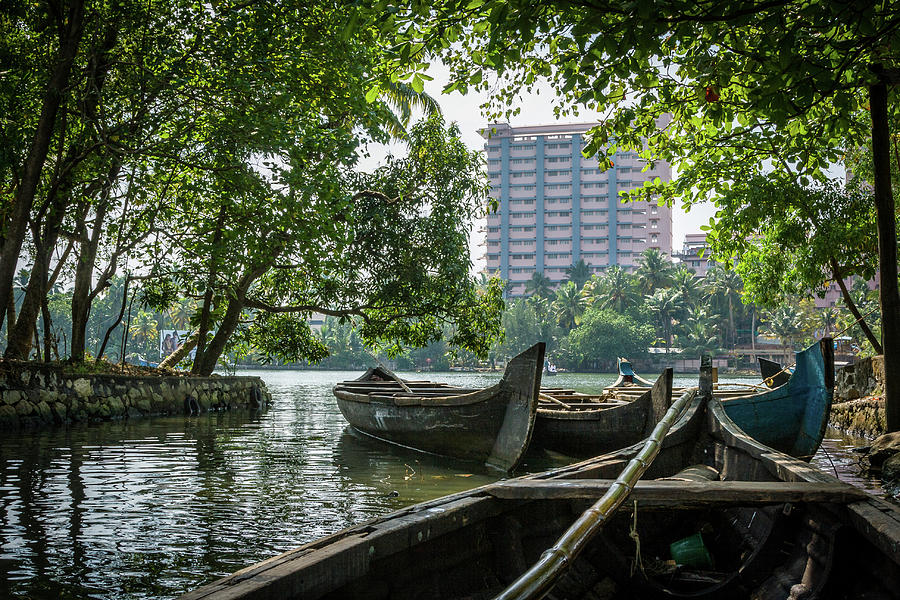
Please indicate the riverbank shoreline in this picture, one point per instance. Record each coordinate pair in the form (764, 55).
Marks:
(38, 395)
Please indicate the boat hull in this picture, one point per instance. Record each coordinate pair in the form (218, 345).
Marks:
(791, 418)
(585, 433)
(492, 426)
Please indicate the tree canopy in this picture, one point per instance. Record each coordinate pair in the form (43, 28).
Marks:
(721, 90)
(210, 151)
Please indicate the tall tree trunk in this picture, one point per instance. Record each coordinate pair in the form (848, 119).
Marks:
(37, 154)
(207, 296)
(20, 339)
(48, 324)
(84, 273)
(207, 361)
(887, 254)
(111, 328)
(230, 321)
(731, 326)
(851, 305)
(753, 330)
(60, 197)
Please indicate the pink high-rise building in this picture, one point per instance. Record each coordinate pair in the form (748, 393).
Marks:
(557, 207)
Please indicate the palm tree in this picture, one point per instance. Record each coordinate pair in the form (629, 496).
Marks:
(654, 272)
(699, 335)
(590, 290)
(578, 273)
(182, 312)
(399, 100)
(617, 290)
(787, 323)
(724, 287)
(539, 285)
(685, 280)
(568, 306)
(143, 331)
(666, 303)
(829, 317)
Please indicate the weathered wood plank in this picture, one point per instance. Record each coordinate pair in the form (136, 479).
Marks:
(673, 494)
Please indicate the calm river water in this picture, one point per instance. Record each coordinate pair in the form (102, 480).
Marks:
(153, 508)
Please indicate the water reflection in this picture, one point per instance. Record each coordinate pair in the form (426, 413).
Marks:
(837, 457)
(153, 508)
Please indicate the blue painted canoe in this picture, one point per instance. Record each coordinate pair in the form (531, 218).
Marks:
(792, 417)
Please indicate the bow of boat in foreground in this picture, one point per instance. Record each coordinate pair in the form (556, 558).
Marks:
(722, 517)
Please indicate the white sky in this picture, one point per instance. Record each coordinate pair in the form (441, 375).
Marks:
(536, 109)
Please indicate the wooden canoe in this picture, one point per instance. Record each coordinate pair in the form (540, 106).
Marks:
(772, 526)
(792, 417)
(773, 373)
(583, 425)
(492, 425)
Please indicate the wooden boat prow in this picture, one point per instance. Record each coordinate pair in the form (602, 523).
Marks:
(627, 377)
(773, 373)
(492, 425)
(586, 425)
(791, 418)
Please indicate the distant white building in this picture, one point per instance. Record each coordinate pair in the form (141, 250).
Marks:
(556, 207)
(695, 253)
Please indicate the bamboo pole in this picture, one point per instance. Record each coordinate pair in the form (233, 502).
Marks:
(539, 579)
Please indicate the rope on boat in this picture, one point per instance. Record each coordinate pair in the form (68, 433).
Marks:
(633, 534)
(539, 579)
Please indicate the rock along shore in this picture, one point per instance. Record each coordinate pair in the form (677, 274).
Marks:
(858, 406)
(38, 395)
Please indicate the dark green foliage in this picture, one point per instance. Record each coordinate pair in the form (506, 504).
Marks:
(605, 335)
(785, 236)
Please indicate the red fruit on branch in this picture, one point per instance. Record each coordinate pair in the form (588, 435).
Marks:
(711, 94)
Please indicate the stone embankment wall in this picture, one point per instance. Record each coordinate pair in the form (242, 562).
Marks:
(35, 395)
(859, 398)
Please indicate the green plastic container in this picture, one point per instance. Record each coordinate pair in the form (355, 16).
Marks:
(691, 552)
